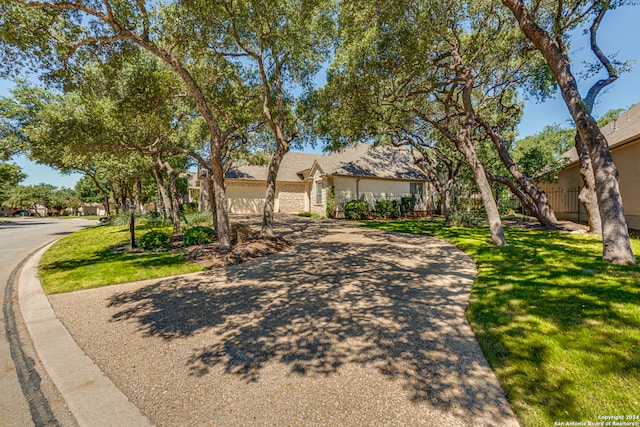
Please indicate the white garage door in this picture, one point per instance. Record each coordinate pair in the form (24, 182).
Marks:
(245, 199)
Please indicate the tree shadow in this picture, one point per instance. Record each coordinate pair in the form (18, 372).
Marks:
(337, 297)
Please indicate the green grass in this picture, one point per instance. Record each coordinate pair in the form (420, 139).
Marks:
(560, 328)
(84, 260)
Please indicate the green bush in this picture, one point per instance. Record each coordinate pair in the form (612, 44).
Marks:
(155, 239)
(155, 219)
(197, 218)
(463, 219)
(121, 219)
(356, 209)
(331, 202)
(198, 236)
(407, 204)
(387, 208)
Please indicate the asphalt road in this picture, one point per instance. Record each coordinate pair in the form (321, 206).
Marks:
(28, 397)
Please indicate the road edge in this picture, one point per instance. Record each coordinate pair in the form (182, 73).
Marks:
(92, 398)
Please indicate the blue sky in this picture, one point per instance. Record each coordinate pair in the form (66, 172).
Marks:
(614, 37)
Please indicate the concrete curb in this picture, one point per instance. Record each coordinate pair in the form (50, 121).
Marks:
(91, 396)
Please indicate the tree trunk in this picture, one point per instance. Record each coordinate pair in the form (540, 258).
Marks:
(464, 142)
(515, 189)
(445, 198)
(114, 193)
(212, 202)
(543, 212)
(268, 210)
(490, 206)
(105, 194)
(139, 194)
(175, 202)
(166, 200)
(615, 234)
(220, 200)
(587, 195)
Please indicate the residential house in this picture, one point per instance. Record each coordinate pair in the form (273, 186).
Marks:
(623, 137)
(92, 209)
(305, 181)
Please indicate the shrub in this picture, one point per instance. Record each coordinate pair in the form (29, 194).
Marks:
(463, 219)
(155, 219)
(198, 218)
(407, 204)
(120, 220)
(198, 236)
(155, 239)
(387, 208)
(356, 209)
(331, 202)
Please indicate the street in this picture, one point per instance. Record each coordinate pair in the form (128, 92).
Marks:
(28, 397)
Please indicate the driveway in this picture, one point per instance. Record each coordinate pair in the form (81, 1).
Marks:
(349, 326)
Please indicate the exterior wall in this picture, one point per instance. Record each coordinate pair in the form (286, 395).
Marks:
(314, 206)
(627, 160)
(372, 189)
(249, 197)
(291, 198)
(99, 210)
(564, 193)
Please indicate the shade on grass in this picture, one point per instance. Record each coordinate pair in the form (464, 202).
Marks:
(84, 260)
(560, 328)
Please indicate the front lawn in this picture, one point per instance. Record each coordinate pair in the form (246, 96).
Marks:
(560, 328)
(85, 259)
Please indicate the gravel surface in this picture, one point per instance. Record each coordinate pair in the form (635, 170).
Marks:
(348, 326)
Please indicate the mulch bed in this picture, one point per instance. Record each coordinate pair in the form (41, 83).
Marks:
(247, 245)
(210, 255)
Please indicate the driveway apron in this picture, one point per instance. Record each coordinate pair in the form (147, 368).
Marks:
(348, 326)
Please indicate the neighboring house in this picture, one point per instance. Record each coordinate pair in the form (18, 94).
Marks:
(623, 137)
(305, 180)
(7, 211)
(92, 209)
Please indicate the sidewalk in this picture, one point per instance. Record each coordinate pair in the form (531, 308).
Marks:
(349, 326)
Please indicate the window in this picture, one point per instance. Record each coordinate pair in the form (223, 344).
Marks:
(416, 188)
(319, 193)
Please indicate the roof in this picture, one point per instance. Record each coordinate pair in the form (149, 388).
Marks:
(358, 160)
(292, 162)
(624, 129)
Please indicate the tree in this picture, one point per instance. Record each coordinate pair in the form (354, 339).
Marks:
(47, 195)
(55, 34)
(404, 72)
(10, 176)
(547, 26)
(87, 191)
(539, 155)
(279, 45)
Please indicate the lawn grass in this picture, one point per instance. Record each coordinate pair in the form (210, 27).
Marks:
(84, 260)
(560, 328)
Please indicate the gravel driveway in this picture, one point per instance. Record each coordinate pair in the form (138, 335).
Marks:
(349, 326)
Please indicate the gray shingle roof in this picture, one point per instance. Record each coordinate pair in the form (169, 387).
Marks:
(361, 160)
(623, 129)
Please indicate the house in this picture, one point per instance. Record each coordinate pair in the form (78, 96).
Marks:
(306, 182)
(8, 211)
(92, 209)
(623, 137)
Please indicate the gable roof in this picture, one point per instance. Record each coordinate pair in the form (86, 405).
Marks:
(624, 129)
(358, 160)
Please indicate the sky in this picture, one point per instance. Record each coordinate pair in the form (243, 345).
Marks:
(617, 35)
